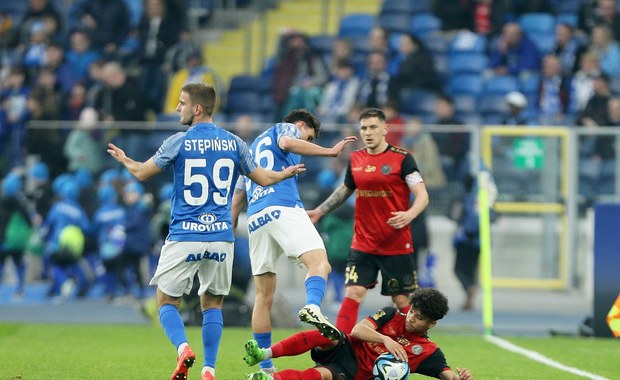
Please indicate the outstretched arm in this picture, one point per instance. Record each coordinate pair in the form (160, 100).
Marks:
(306, 148)
(265, 177)
(331, 203)
(365, 330)
(141, 170)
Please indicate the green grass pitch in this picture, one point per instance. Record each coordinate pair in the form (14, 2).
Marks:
(58, 351)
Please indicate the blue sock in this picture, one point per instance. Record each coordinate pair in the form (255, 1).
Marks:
(264, 341)
(172, 323)
(212, 326)
(315, 290)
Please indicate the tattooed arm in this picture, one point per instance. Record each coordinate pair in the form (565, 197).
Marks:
(331, 203)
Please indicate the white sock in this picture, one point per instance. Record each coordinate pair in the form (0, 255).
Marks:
(181, 348)
(268, 353)
(209, 369)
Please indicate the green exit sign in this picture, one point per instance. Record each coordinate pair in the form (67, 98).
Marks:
(529, 153)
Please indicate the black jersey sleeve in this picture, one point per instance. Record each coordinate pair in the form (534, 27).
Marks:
(348, 178)
(433, 365)
(408, 166)
(382, 316)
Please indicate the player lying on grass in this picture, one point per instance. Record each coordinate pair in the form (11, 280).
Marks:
(351, 357)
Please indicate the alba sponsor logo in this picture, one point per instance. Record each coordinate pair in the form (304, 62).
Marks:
(219, 257)
(264, 219)
(208, 223)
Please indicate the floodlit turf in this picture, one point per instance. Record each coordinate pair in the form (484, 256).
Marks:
(58, 351)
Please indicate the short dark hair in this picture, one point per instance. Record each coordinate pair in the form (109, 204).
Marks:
(429, 302)
(203, 94)
(372, 112)
(305, 116)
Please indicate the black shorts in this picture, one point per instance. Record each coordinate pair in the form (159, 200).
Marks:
(398, 272)
(339, 360)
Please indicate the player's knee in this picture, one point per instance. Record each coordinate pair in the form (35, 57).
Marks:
(356, 293)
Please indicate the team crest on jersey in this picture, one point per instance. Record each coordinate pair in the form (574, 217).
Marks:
(207, 218)
(417, 349)
(386, 169)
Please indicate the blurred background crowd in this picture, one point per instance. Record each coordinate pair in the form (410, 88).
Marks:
(75, 75)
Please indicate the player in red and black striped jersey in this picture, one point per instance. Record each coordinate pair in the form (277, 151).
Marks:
(352, 356)
(383, 178)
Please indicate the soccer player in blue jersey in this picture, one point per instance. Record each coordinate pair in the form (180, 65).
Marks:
(207, 161)
(278, 223)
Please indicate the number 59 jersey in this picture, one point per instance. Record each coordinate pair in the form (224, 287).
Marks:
(269, 155)
(207, 161)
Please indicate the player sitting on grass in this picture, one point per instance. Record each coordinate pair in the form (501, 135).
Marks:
(351, 357)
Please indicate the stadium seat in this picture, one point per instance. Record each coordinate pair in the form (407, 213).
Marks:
(463, 63)
(537, 23)
(468, 42)
(243, 102)
(424, 23)
(244, 83)
(437, 43)
(565, 6)
(398, 6)
(465, 103)
(567, 18)
(417, 102)
(356, 25)
(492, 104)
(465, 84)
(501, 85)
(407, 6)
(529, 84)
(322, 43)
(395, 22)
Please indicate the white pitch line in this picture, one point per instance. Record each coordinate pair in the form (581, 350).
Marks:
(541, 358)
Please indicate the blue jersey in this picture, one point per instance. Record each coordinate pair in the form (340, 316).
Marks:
(268, 155)
(207, 161)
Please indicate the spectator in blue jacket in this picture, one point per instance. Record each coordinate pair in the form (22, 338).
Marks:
(139, 240)
(109, 228)
(63, 232)
(514, 53)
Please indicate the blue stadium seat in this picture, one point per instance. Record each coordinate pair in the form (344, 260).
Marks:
(565, 6)
(407, 6)
(463, 63)
(243, 102)
(424, 23)
(501, 85)
(493, 104)
(322, 43)
(537, 23)
(397, 6)
(395, 22)
(465, 103)
(571, 19)
(356, 24)
(244, 83)
(417, 102)
(529, 84)
(544, 42)
(468, 42)
(437, 43)
(465, 84)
